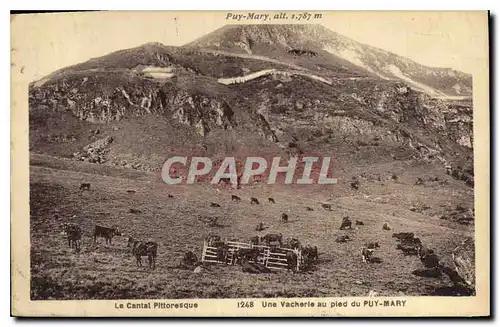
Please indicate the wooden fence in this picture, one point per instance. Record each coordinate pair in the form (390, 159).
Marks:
(271, 257)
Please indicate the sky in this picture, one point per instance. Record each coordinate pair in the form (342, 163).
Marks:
(43, 43)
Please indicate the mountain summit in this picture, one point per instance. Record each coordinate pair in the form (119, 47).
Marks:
(277, 40)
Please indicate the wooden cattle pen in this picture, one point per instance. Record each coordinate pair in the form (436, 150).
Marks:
(271, 257)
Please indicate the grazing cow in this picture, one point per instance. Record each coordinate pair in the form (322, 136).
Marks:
(252, 254)
(131, 191)
(342, 238)
(214, 205)
(254, 201)
(271, 200)
(346, 223)
(326, 206)
(386, 227)
(284, 217)
(85, 186)
(310, 255)
(144, 249)
(359, 223)
(269, 238)
(189, 260)
(235, 198)
(170, 196)
(260, 227)
(106, 232)
(366, 254)
(255, 240)
(74, 235)
(222, 252)
(135, 211)
(291, 260)
(309, 209)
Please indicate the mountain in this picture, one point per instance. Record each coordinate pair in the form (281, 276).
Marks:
(254, 89)
(279, 39)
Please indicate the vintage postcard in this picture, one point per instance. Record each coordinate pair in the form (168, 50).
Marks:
(250, 164)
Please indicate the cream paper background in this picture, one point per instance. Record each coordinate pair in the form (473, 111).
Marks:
(42, 43)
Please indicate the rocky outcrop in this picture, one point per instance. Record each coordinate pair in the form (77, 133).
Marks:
(107, 98)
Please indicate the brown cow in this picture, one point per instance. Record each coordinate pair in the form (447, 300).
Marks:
(254, 201)
(284, 217)
(252, 254)
(106, 232)
(235, 198)
(271, 200)
(143, 249)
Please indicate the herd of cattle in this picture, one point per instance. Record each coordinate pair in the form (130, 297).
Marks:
(248, 257)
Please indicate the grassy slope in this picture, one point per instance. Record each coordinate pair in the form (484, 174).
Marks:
(110, 272)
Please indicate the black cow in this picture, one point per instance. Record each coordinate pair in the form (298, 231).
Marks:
(144, 249)
(135, 211)
(252, 254)
(386, 227)
(309, 209)
(254, 201)
(85, 186)
(271, 200)
(292, 244)
(189, 260)
(170, 196)
(74, 235)
(346, 223)
(106, 232)
(222, 251)
(326, 206)
(284, 217)
(269, 238)
(310, 255)
(214, 205)
(130, 191)
(359, 223)
(291, 260)
(235, 198)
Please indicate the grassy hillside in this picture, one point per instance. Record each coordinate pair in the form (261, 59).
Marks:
(100, 271)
